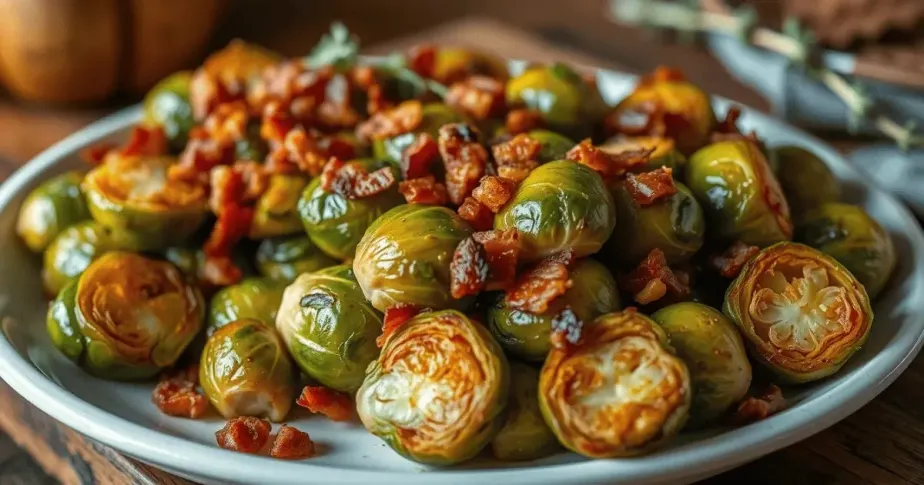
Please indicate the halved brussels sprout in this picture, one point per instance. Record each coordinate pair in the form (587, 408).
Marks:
(329, 327)
(801, 313)
(714, 353)
(75, 248)
(133, 194)
(455, 64)
(848, 234)
(284, 258)
(438, 391)
(251, 299)
(335, 223)
(127, 317)
(405, 254)
(566, 101)
(276, 212)
(620, 393)
(50, 208)
(245, 371)
(167, 105)
(675, 225)
(806, 180)
(435, 115)
(524, 436)
(739, 194)
(560, 205)
(526, 335)
(665, 153)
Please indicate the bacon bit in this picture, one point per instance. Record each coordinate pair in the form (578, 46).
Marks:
(516, 158)
(176, 395)
(207, 92)
(422, 59)
(318, 399)
(219, 271)
(232, 224)
(662, 74)
(464, 158)
(730, 262)
(650, 187)
(494, 192)
(404, 118)
(395, 317)
(476, 214)
(245, 434)
(304, 152)
(480, 97)
(353, 181)
(416, 159)
(292, 444)
(535, 290)
(95, 154)
(566, 329)
(227, 123)
(336, 111)
(424, 190)
(200, 155)
(523, 120)
(503, 252)
(753, 409)
(366, 79)
(276, 122)
(605, 163)
(468, 270)
(653, 279)
(145, 141)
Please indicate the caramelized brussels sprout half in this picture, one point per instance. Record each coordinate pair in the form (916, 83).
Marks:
(801, 313)
(329, 327)
(665, 153)
(284, 258)
(435, 115)
(50, 208)
(127, 317)
(806, 180)
(848, 234)
(405, 254)
(560, 205)
(251, 299)
(739, 194)
(675, 225)
(335, 223)
(245, 371)
(526, 335)
(75, 248)
(592, 395)
(133, 194)
(167, 105)
(714, 353)
(567, 102)
(455, 64)
(524, 436)
(276, 212)
(438, 391)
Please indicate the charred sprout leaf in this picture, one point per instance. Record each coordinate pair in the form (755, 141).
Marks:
(524, 436)
(339, 49)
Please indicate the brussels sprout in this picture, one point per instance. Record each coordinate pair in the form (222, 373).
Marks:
(252, 299)
(806, 180)
(675, 225)
(554, 145)
(801, 313)
(50, 208)
(167, 105)
(560, 205)
(455, 64)
(739, 194)
(593, 292)
(848, 234)
(245, 371)
(438, 391)
(665, 153)
(284, 258)
(714, 353)
(524, 436)
(405, 254)
(191, 261)
(621, 393)
(134, 194)
(435, 115)
(276, 213)
(75, 248)
(127, 317)
(567, 102)
(329, 327)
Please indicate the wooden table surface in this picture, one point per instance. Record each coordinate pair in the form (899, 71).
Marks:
(881, 443)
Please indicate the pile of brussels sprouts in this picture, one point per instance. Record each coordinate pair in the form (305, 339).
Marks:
(123, 268)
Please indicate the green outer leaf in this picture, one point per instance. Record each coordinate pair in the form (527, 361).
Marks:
(50, 208)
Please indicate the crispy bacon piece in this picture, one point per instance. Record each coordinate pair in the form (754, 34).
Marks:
(422, 59)
(566, 329)
(367, 79)
(404, 118)
(176, 394)
(394, 318)
(476, 214)
(516, 158)
(753, 409)
(219, 270)
(502, 249)
(523, 120)
(299, 89)
(318, 399)
(480, 97)
(336, 111)
(730, 262)
(353, 181)
(227, 123)
(145, 141)
(95, 154)
(245, 434)
(292, 444)
(653, 279)
(229, 191)
(207, 92)
(464, 158)
(303, 150)
(417, 158)
(650, 187)
(538, 287)
(424, 190)
(468, 269)
(605, 163)
(276, 122)
(494, 192)
(201, 154)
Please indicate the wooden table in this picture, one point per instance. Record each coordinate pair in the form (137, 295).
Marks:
(881, 443)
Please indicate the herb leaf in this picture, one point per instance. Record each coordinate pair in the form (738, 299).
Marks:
(396, 65)
(339, 49)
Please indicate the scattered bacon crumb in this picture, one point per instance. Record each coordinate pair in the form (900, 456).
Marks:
(276, 122)
(503, 252)
(494, 192)
(227, 123)
(353, 181)
(605, 163)
(730, 262)
(464, 158)
(424, 190)
(753, 409)
(145, 141)
(476, 214)
(95, 154)
(302, 150)
(480, 97)
(229, 191)
(394, 319)
(416, 158)
(245, 434)
(422, 59)
(523, 120)
(538, 287)
(335, 111)
(176, 394)
(201, 154)
(367, 79)
(650, 187)
(207, 92)
(292, 444)
(468, 269)
(566, 329)
(404, 118)
(318, 399)
(516, 158)
(653, 279)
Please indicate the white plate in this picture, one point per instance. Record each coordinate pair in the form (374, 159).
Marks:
(122, 416)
